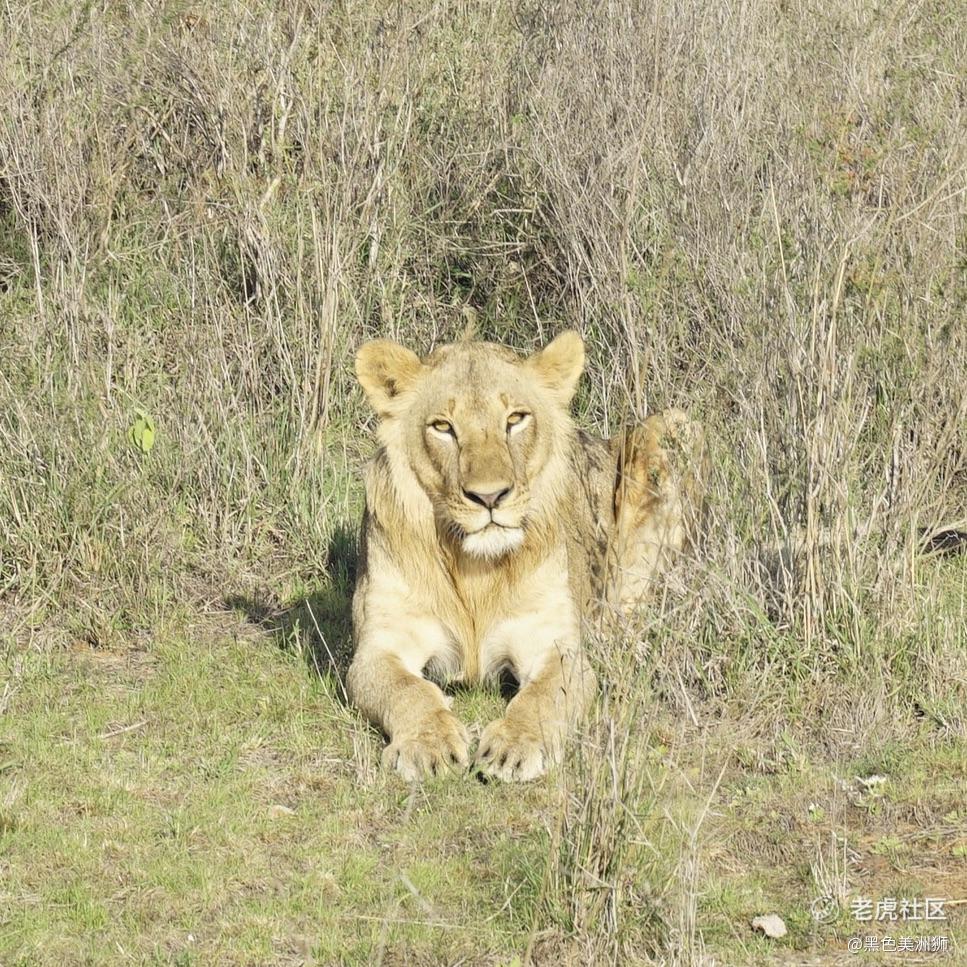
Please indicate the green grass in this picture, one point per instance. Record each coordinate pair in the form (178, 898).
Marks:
(757, 215)
(202, 796)
(201, 801)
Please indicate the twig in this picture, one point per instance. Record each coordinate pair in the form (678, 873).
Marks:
(121, 729)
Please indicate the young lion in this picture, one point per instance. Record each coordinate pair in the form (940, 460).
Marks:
(493, 528)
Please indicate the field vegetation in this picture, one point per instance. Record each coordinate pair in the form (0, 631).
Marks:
(754, 211)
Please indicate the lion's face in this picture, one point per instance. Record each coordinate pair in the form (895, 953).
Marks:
(481, 429)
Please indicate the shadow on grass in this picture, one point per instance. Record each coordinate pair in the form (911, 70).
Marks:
(319, 625)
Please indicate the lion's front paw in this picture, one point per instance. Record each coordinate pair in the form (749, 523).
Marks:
(438, 742)
(513, 753)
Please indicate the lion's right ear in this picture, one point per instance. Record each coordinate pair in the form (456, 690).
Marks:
(386, 369)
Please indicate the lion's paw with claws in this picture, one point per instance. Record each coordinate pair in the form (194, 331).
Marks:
(437, 744)
(513, 752)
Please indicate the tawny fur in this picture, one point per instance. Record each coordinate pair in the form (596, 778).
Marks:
(494, 530)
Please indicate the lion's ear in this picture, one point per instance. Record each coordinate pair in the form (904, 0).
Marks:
(560, 363)
(385, 370)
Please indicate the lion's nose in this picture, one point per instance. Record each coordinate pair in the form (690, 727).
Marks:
(488, 500)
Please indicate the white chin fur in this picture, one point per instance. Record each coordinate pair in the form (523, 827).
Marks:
(493, 541)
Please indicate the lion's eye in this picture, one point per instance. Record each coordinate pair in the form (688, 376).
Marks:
(516, 419)
(442, 426)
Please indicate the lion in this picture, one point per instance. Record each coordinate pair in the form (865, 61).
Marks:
(494, 532)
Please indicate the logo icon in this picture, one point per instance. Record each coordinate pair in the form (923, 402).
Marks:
(825, 909)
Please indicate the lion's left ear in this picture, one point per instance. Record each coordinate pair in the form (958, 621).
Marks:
(385, 370)
(560, 363)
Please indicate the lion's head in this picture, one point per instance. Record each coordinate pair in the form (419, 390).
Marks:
(483, 431)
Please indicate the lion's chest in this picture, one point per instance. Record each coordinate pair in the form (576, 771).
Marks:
(506, 617)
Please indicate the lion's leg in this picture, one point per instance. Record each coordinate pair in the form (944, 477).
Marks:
(530, 737)
(385, 683)
(658, 498)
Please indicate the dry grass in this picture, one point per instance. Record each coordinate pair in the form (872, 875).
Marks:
(756, 212)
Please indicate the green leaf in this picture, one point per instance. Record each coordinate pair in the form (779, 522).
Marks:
(142, 432)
